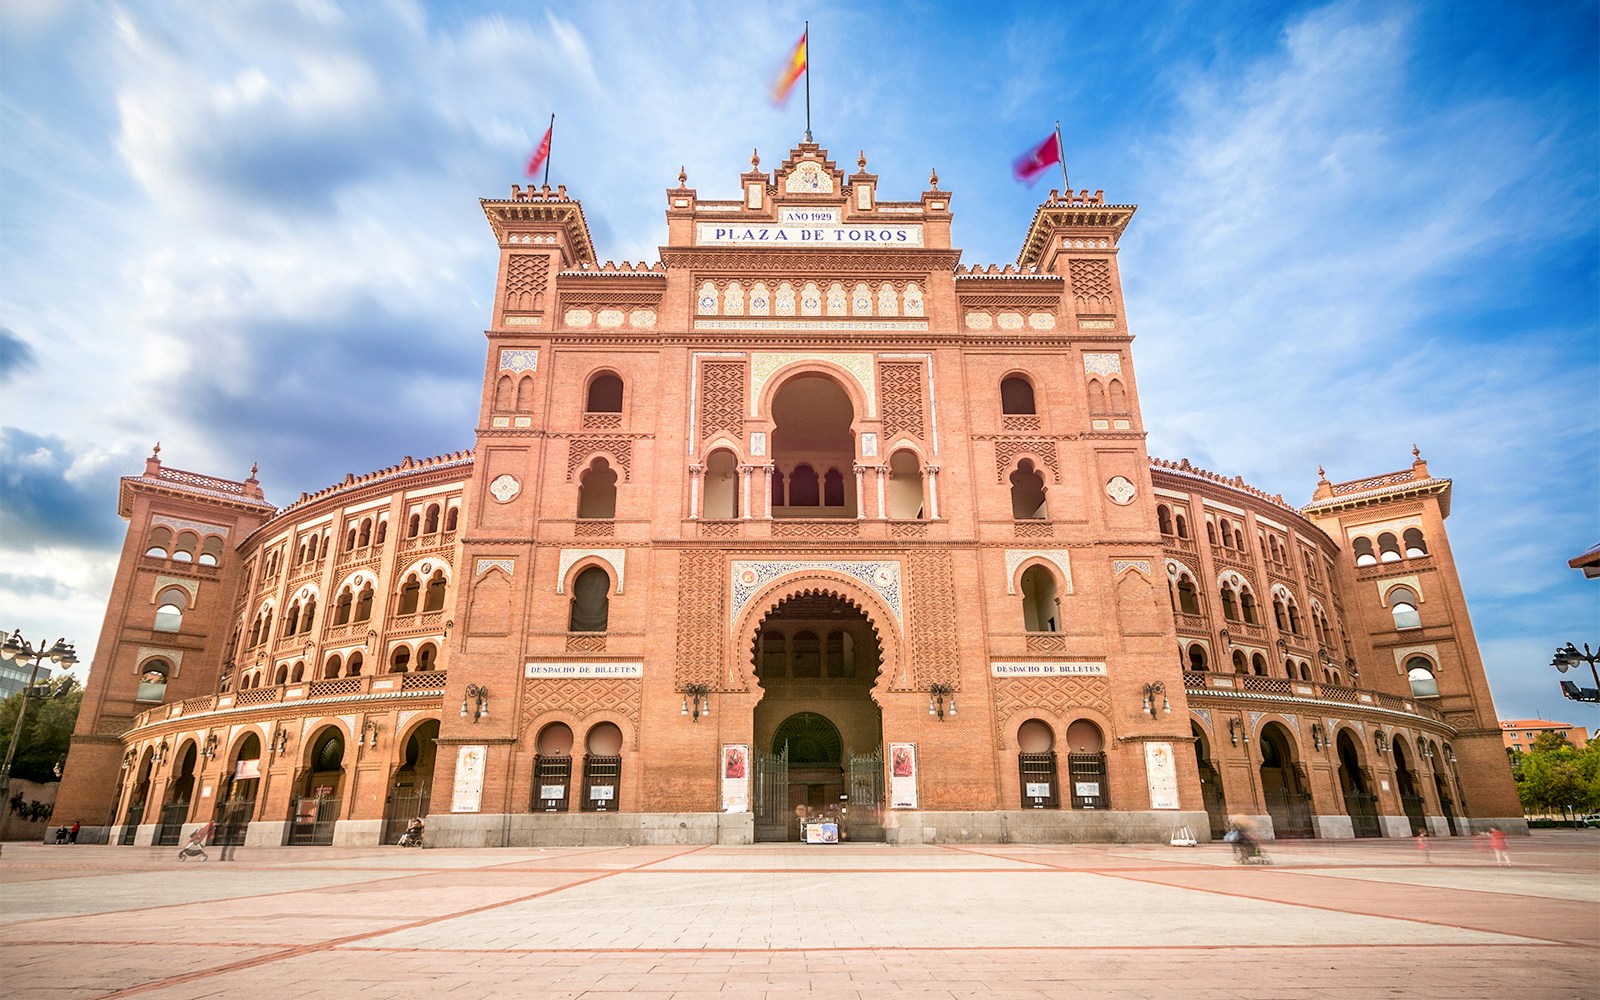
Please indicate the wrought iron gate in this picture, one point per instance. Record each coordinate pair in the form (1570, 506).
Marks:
(130, 825)
(405, 805)
(1363, 810)
(1215, 800)
(1412, 804)
(173, 816)
(865, 819)
(771, 794)
(1291, 815)
(312, 821)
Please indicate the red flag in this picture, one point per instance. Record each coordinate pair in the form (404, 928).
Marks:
(793, 68)
(1037, 160)
(541, 154)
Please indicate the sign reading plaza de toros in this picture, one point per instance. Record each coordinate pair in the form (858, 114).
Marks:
(808, 227)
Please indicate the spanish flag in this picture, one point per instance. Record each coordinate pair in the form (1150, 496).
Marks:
(793, 68)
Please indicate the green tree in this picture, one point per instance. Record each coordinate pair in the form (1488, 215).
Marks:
(46, 730)
(1553, 776)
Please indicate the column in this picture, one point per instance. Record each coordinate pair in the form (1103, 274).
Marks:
(933, 492)
(696, 480)
(883, 491)
(766, 489)
(745, 472)
(861, 495)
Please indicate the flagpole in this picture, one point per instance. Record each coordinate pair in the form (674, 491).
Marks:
(1062, 151)
(553, 142)
(807, 37)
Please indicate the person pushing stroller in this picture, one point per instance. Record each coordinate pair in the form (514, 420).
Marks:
(196, 847)
(1246, 849)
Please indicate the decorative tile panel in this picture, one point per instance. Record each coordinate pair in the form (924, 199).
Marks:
(615, 558)
(1102, 364)
(519, 361)
(485, 565)
(763, 365)
(1120, 566)
(1058, 558)
(750, 575)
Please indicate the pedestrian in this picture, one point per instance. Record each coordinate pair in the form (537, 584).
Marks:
(61, 835)
(1497, 840)
(72, 834)
(1423, 847)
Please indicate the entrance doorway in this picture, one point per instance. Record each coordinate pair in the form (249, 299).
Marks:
(818, 731)
(413, 782)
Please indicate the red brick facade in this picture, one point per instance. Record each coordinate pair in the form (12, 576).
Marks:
(810, 492)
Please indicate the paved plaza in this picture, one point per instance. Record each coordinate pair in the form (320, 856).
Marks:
(1327, 919)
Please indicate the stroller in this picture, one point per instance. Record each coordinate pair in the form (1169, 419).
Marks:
(1246, 849)
(413, 835)
(196, 847)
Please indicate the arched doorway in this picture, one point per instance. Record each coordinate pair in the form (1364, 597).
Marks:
(236, 803)
(1356, 786)
(813, 449)
(1406, 782)
(552, 769)
(319, 791)
(1282, 784)
(1442, 788)
(1211, 791)
(1086, 766)
(179, 793)
(818, 731)
(412, 782)
(1037, 780)
(136, 802)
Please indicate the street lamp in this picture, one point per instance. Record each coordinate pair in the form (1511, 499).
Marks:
(21, 651)
(1150, 692)
(1567, 657)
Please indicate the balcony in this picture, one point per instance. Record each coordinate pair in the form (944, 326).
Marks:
(384, 685)
(1247, 684)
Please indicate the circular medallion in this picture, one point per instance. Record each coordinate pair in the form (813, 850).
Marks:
(1120, 490)
(505, 488)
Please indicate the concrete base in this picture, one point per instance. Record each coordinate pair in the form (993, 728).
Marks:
(588, 829)
(1334, 827)
(265, 833)
(1511, 826)
(1042, 826)
(358, 832)
(1395, 826)
(1438, 826)
(144, 835)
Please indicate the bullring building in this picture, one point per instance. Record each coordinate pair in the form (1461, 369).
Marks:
(807, 516)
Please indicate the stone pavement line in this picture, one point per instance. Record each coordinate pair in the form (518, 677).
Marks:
(330, 944)
(1331, 909)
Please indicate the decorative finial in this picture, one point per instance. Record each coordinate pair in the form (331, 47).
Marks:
(683, 177)
(1322, 473)
(755, 159)
(254, 468)
(861, 160)
(1415, 453)
(933, 178)
(156, 451)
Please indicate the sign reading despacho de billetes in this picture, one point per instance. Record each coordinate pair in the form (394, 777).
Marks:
(808, 228)
(1046, 669)
(609, 671)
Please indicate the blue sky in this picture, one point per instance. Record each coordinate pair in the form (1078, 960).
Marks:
(249, 231)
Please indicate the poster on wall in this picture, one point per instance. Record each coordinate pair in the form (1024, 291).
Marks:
(1161, 772)
(468, 797)
(902, 775)
(736, 778)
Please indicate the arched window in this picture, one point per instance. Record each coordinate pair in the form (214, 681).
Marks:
(1197, 657)
(1016, 395)
(434, 601)
(1388, 547)
(525, 394)
(591, 601)
(364, 604)
(777, 489)
(503, 393)
(1040, 609)
(400, 660)
(833, 488)
(1119, 397)
(169, 609)
(352, 666)
(333, 667)
(1403, 605)
(1362, 547)
(299, 672)
(1238, 538)
(1227, 533)
(343, 606)
(414, 527)
(183, 549)
(430, 524)
(452, 517)
(905, 486)
(1183, 525)
(153, 680)
(1099, 405)
(597, 492)
(282, 674)
(160, 540)
(410, 592)
(309, 615)
(1279, 616)
(774, 655)
(383, 530)
(1164, 518)
(804, 489)
(1415, 546)
(365, 537)
(1419, 672)
(211, 551)
(1211, 531)
(1239, 664)
(291, 621)
(1258, 665)
(721, 486)
(1247, 606)
(1027, 493)
(835, 655)
(1294, 619)
(1230, 605)
(1188, 595)
(605, 394)
(428, 657)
